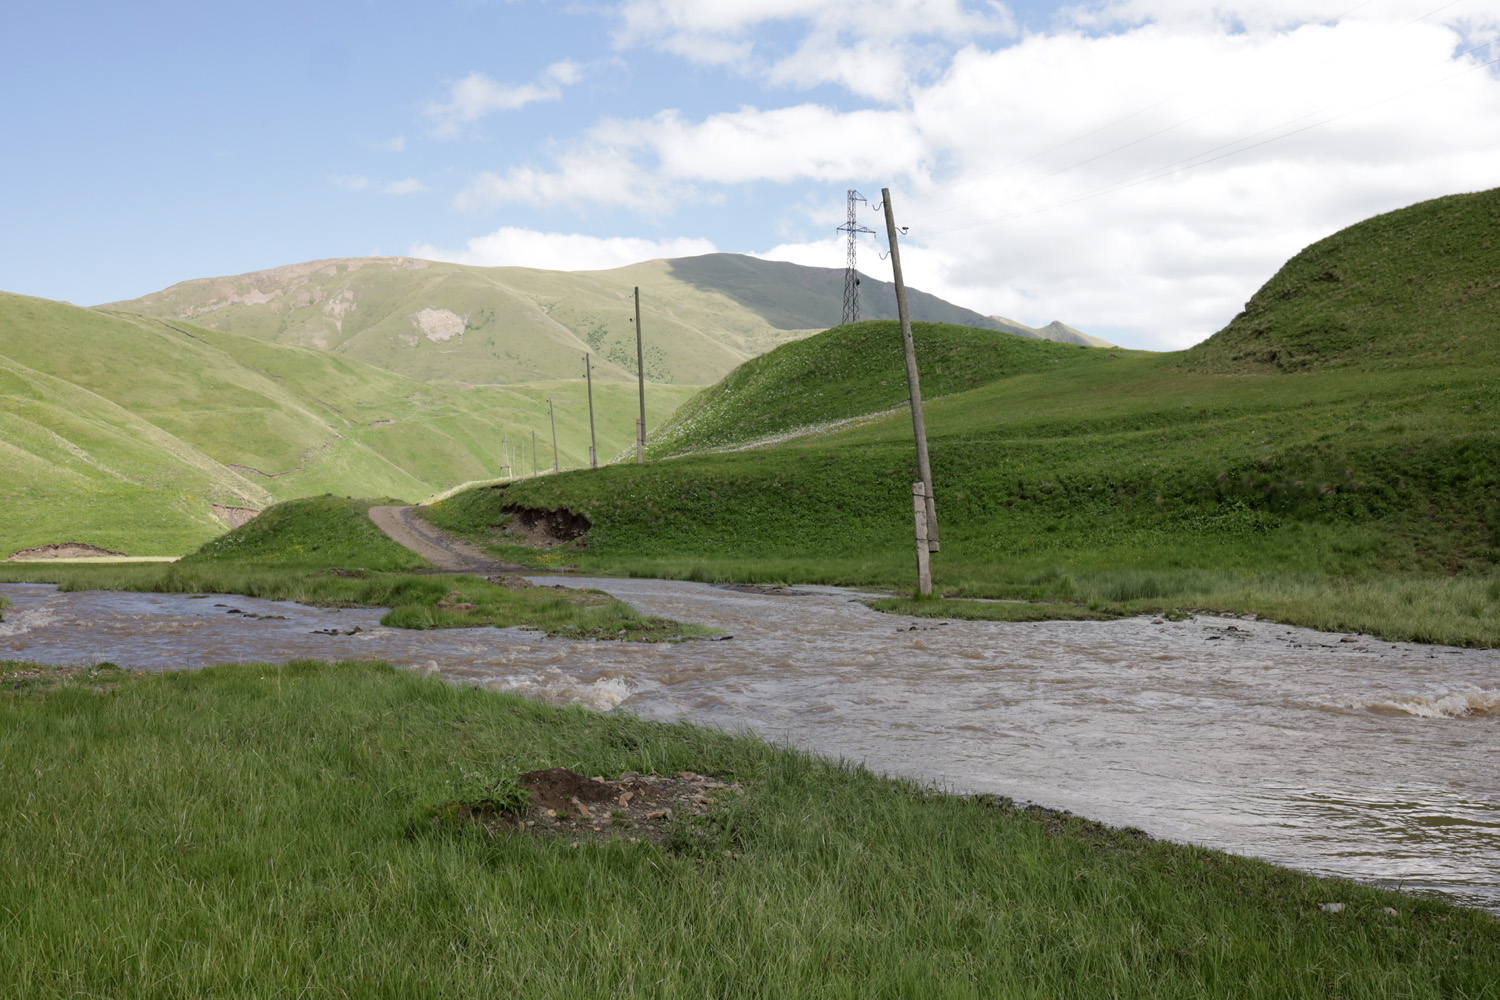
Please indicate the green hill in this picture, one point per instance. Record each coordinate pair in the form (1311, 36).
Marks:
(850, 371)
(1415, 287)
(702, 316)
(1361, 492)
(126, 432)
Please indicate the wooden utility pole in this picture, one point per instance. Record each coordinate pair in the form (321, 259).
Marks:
(521, 465)
(588, 377)
(533, 454)
(553, 415)
(919, 518)
(913, 385)
(640, 373)
(505, 454)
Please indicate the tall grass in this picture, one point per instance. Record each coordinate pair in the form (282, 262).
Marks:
(248, 831)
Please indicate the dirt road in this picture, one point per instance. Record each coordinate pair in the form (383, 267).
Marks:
(445, 552)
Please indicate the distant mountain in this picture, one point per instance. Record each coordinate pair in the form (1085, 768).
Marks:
(1055, 331)
(702, 316)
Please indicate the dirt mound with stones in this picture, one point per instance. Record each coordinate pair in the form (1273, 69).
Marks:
(561, 803)
(65, 550)
(544, 527)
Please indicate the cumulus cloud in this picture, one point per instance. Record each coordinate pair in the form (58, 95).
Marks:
(477, 95)
(511, 246)
(1138, 168)
(873, 48)
(651, 165)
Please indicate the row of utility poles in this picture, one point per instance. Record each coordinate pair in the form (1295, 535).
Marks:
(924, 506)
(588, 377)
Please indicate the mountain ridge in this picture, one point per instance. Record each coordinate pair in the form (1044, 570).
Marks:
(437, 321)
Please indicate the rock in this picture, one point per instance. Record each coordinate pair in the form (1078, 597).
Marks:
(1389, 911)
(1331, 907)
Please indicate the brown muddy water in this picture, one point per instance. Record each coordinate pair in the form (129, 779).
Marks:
(1371, 760)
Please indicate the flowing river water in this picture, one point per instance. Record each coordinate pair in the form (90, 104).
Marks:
(1339, 755)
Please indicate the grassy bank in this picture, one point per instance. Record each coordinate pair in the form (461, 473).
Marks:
(1329, 458)
(1328, 499)
(325, 551)
(248, 831)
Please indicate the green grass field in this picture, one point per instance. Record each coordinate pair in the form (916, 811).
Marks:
(1355, 493)
(259, 831)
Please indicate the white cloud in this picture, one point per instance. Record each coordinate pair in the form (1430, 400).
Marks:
(873, 48)
(350, 182)
(1140, 170)
(354, 182)
(590, 175)
(408, 186)
(510, 246)
(649, 166)
(1138, 226)
(395, 144)
(477, 95)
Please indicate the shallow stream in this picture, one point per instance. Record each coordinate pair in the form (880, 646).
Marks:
(1335, 754)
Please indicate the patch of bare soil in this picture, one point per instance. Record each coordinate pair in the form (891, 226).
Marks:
(542, 527)
(235, 516)
(560, 803)
(64, 550)
(17, 676)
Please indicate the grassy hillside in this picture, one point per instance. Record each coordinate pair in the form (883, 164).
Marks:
(123, 431)
(325, 551)
(1415, 287)
(702, 316)
(849, 371)
(314, 532)
(435, 321)
(1356, 493)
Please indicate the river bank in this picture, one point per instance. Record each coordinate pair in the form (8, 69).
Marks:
(264, 829)
(1360, 758)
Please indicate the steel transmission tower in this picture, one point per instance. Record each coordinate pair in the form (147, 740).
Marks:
(851, 273)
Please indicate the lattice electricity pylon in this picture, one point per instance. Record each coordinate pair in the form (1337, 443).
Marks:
(851, 273)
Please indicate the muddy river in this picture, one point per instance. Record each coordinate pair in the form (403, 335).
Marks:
(1334, 754)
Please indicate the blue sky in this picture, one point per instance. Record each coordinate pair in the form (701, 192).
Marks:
(1136, 168)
